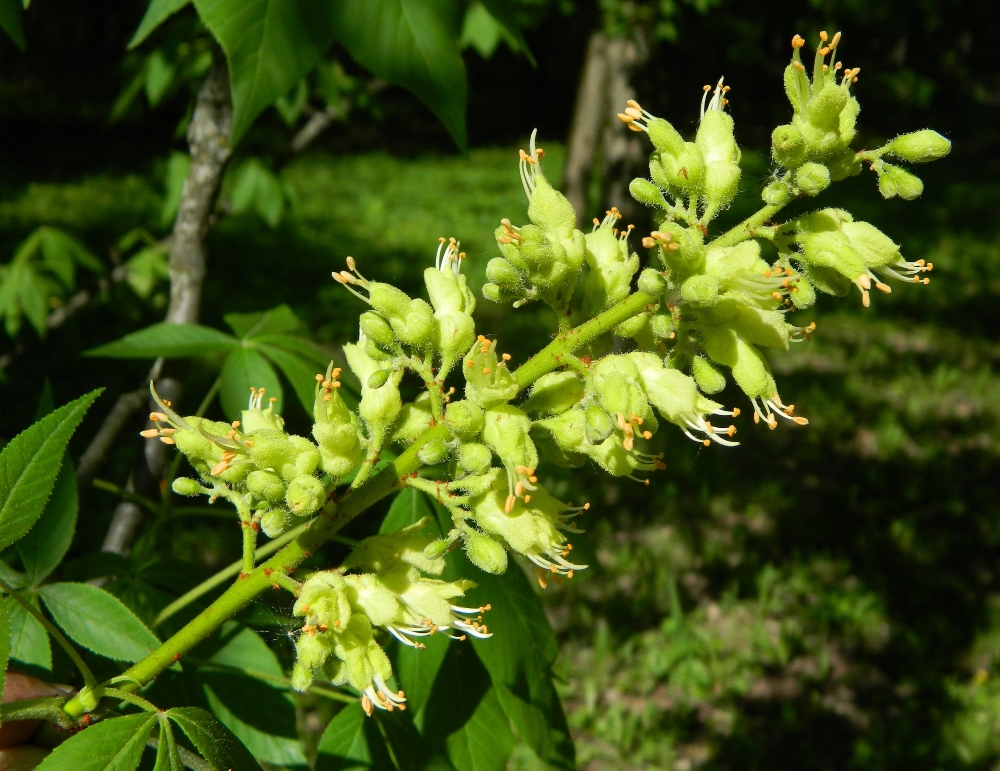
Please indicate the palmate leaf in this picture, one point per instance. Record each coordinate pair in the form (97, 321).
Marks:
(111, 745)
(352, 742)
(275, 321)
(98, 621)
(412, 43)
(43, 548)
(4, 645)
(261, 716)
(29, 465)
(29, 642)
(10, 21)
(269, 44)
(214, 742)
(167, 756)
(170, 341)
(157, 12)
(244, 369)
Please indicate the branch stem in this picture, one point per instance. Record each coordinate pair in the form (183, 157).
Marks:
(745, 230)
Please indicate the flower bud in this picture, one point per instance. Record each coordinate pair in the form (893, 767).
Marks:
(488, 381)
(416, 328)
(304, 496)
(919, 147)
(646, 193)
(484, 552)
(379, 407)
(612, 265)
(188, 487)
(474, 458)
(377, 329)
(302, 678)
(266, 486)
(788, 146)
(456, 331)
(662, 325)
(708, 378)
(389, 301)
(501, 295)
(665, 137)
(553, 393)
(805, 297)
(378, 378)
(334, 428)
(702, 291)
(323, 599)
(843, 165)
(689, 255)
(750, 370)
(384, 553)
(893, 181)
(550, 209)
(632, 327)
(272, 450)
(274, 522)
(433, 453)
(777, 194)
(413, 420)
(255, 419)
(722, 171)
(597, 424)
(464, 418)
(506, 433)
(375, 353)
(307, 461)
(652, 282)
(503, 274)
(812, 179)
(446, 290)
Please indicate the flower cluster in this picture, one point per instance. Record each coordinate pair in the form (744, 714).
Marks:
(598, 394)
(343, 608)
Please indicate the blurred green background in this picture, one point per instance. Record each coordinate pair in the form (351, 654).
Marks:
(818, 598)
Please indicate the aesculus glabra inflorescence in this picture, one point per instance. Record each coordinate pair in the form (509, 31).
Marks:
(701, 311)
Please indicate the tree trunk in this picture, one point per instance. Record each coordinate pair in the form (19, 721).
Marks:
(604, 88)
(208, 139)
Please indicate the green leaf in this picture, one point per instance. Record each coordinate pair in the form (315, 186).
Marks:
(29, 642)
(299, 373)
(178, 166)
(171, 341)
(464, 715)
(408, 747)
(157, 13)
(411, 43)
(300, 346)
(276, 321)
(167, 756)
(352, 742)
(259, 715)
(99, 621)
(43, 548)
(503, 12)
(10, 21)
(519, 659)
(4, 645)
(245, 368)
(111, 745)
(29, 465)
(269, 44)
(257, 188)
(214, 742)
(408, 507)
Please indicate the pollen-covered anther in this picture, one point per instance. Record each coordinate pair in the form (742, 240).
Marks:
(798, 41)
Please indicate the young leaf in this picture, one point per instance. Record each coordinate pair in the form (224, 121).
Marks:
(269, 44)
(43, 548)
(245, 368)
(408, 507)
(4, 645)
(167, 756)
(29, 465)
(111, 745)
(503, 12)
(98, 621)
(10, 21)
(29, 642)
(214, 742)
(157, 13)
(411, 43)
(171, 341)
(352, 742)
(464, 717)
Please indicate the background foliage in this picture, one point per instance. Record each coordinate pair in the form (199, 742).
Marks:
(819, 598)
